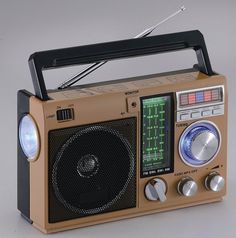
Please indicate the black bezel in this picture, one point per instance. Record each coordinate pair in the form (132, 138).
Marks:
(169, 169)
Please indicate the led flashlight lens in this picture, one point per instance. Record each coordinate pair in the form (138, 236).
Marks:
(29, 137)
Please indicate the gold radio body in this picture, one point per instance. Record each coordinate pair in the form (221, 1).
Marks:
(124, 148)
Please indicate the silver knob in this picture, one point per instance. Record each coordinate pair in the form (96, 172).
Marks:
(214, 182)
(156, 190)
(187, 187)
(204, 146)
(199, 143)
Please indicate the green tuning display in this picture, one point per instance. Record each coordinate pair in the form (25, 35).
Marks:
(156, 132)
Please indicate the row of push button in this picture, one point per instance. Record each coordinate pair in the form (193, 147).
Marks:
(202, 112)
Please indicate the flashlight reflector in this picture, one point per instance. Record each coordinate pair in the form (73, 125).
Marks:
(29, 137)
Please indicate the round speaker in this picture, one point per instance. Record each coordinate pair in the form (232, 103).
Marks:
(92, 170)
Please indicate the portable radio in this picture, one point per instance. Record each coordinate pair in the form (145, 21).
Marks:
(123, 148)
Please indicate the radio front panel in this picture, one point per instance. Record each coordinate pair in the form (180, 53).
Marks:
(176, 163)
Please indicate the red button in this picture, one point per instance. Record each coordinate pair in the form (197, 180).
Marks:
(207, 96)
(192, 98)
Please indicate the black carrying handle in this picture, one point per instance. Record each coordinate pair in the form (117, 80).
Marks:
(40, 61)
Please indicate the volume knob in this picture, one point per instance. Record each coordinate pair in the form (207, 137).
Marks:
(214, 182)
(187, 187)
(156, 190)
(199, 144)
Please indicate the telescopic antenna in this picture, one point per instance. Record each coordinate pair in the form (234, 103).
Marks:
(97, 65)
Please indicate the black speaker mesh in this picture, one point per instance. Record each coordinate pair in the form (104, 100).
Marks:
(92, 169)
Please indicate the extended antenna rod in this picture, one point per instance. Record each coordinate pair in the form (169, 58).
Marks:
(97, 65)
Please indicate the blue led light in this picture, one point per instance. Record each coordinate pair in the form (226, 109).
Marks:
(199, 97)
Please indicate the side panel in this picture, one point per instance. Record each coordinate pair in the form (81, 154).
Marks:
(23, 182)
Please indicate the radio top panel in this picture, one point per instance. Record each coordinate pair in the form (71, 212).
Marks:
(129, 85)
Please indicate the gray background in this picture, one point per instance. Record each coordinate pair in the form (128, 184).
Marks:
(29, 25)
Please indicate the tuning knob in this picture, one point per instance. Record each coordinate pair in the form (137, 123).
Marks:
(187, 187)
(214, 182)
(199, 143)
(156, 190)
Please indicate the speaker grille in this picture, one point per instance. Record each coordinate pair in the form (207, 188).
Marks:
(92, 169)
